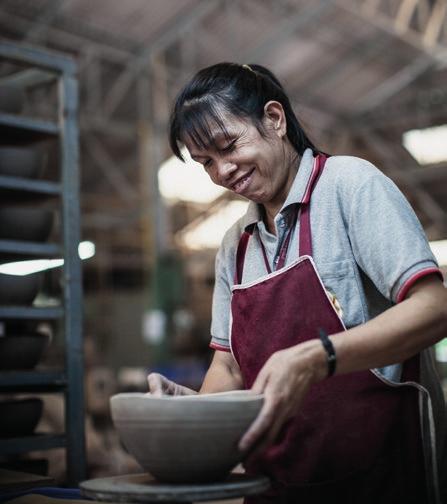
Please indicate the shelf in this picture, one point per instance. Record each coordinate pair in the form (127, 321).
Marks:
(10, 446)
(32, 381)
(15, 129)
(40, 67)
(28, 185)
(33, 313)
(30, 248)
(46, 60)
(28, 78)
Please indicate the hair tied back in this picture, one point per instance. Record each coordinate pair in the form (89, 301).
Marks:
(248, 67)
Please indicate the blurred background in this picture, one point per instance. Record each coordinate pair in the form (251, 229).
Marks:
(366, 77)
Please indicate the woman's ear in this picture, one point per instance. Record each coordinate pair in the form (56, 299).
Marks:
(275, 118)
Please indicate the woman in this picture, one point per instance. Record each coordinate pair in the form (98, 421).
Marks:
(328, 246)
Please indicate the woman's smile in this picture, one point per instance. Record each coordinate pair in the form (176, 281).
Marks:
(242, 183)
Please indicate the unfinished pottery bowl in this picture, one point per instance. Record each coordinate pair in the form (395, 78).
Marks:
(26, 162)
(19, 290)
(19, 417)
(21, 351)
(185, 439)
(27, 224)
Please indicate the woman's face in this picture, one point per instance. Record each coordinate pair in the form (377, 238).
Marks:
(245, 162)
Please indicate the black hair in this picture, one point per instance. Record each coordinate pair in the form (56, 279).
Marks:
(242, 91)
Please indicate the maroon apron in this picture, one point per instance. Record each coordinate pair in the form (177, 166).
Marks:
(354, 438)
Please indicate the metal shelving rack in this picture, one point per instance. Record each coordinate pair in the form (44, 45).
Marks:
(15, 129)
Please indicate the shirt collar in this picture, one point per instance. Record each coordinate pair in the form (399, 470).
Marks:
(299, 192)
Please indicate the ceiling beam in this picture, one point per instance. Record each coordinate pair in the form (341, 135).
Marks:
(393, 85)
(435, 24)
(64, 40)
(28, 78)
(329, 74)
(296, 20)
(183, 23)
(68, 23)
(43, 20)
(404, 15)
(362, 9)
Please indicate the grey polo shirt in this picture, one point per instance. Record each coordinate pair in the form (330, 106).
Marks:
(368, 245)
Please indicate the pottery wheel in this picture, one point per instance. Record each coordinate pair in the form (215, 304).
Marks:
(144, 488)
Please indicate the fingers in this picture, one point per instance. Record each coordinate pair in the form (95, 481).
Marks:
(259, 427)
(279, 401)
(155, 382)
(272, 435)
(159, 385)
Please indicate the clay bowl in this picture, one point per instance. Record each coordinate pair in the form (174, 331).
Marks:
(25, 224)
(24, 162)
(19, 290)
(185, 439)
(21, 351)
(11, 99)
(19, 417)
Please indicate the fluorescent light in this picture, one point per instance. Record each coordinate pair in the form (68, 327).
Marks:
(187, 181)
(20, 268)
(427, 145)
(86, 249)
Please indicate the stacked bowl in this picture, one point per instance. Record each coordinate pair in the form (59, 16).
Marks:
(21, 346)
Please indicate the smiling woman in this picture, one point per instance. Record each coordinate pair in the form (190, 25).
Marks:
(327, 300)
(233, 132)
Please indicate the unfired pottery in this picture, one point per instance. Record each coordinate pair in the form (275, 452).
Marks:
(185, 439)
(19, 417)
(19, 290)
(21, 351)
(27, 224)
(27, 162)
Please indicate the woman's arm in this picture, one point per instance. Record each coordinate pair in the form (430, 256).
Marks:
(395, 335)
(398, 333)
(223, 374)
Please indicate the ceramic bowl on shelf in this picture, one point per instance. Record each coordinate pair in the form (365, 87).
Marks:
(27, 224)
(185, 439)
(19, 417)
(19, 289)
(25, 162)
(11, 99)
(21, 351)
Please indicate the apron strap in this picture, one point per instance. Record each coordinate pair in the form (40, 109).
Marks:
(305, 239)
(240, 254)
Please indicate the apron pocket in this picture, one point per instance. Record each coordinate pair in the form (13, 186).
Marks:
(340, 280)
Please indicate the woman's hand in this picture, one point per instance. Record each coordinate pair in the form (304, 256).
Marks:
(159, 385)
(284, 380)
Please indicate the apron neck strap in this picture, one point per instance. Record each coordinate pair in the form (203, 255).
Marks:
(305, 238)
(240, 254)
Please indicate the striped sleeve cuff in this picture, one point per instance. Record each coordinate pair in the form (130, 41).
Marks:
(413, 278)
(219, 346)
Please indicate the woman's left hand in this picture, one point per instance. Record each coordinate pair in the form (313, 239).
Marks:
(284, 380)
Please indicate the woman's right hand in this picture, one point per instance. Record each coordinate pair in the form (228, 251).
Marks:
(159, 385)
